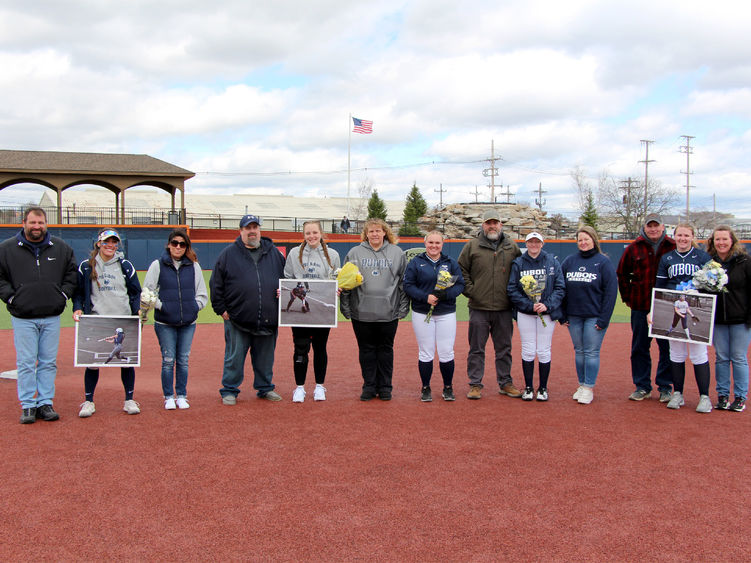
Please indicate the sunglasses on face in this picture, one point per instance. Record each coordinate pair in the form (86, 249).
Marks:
(178, 243)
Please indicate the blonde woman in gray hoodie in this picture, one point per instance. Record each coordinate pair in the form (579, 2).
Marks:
(376, 306)
(314, 260)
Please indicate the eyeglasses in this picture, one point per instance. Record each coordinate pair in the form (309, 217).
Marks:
(178, 243)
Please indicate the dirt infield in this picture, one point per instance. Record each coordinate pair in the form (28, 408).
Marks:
(341, 480)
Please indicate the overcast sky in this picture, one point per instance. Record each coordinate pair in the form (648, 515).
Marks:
(256, 96)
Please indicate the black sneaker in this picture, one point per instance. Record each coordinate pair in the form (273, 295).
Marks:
(739, 405)
(722, 403)
(426, 397)
(384, 395)
(46, 412)
(367, 395)
(29, 416)
(448, 394)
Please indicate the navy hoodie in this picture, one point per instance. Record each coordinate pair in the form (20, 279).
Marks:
(419, 282)
(591, 286)
(544, 267)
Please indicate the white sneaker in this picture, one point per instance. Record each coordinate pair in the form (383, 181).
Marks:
(299, 395)
(87, 409)
(577, 393)
(677, 401)
(320, 393)
(131, 407)
(182, 403)
(528, 394)
(586, 395)
(705, 405)
(169, 404)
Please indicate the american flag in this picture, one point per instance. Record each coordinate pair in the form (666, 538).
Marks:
(362, 126)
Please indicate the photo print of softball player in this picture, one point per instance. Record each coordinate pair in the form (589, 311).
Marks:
(111, 341)
(300, 291)
(681, 312)
(318, 302)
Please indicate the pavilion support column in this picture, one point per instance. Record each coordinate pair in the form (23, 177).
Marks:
(117, 206)
(122, 207)
(59, 205)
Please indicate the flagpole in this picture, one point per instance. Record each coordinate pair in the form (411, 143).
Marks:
(349, 153)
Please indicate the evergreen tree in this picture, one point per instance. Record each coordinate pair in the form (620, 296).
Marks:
(415, 207)
(376, 207)
(590, 216)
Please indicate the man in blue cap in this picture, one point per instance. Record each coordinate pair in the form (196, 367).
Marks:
(244, 287)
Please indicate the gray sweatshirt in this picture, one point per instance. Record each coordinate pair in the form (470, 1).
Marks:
(151, 280)
(110, 296)
(314, 265)
(381, 297)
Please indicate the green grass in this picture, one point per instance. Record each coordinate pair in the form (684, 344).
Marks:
(621, 314)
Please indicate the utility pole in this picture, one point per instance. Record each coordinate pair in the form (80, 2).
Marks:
(646, 162)
(539, 202)
(507, 193)
(628, 186)
(440, 191)
(491, 172)
(476, 193)
(688, 150)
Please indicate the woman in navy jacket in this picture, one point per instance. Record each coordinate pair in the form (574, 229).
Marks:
(436, 329)
(591, 291)
(536, 319)
(178, 280)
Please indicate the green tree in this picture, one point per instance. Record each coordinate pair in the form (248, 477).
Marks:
(589, 216)
(376, 207)
(415, 207)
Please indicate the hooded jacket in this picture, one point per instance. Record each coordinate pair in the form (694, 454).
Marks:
(420, 279)
(314, 264)
(246, 290)
(546, 268)
(734, 305)
(36, 285)
(381, 297)
(82, 295)
(486, 270)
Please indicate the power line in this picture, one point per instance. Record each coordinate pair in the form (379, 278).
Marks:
(339, 171)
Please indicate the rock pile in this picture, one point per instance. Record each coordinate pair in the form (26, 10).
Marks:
(463, 220)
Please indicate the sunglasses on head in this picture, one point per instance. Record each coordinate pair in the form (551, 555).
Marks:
(178, 243)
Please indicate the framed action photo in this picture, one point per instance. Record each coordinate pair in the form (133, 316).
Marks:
(308, 303)
(103, 341)
(678, 315)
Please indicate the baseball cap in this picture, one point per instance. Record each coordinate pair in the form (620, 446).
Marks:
(109, 233)
(534, 234)
(248, 219)
(490, 215)
(653, 217)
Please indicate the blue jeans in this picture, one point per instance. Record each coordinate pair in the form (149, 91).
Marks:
(237, 344)
(641, 359)
(731, 346)
(587, 341)
(36, 343)
(175, 343)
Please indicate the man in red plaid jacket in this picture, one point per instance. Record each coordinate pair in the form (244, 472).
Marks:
(637, 273)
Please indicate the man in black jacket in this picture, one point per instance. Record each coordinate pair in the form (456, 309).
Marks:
(37, 277)
(244, 287)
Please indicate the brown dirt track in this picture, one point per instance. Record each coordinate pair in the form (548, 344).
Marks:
(489, 480)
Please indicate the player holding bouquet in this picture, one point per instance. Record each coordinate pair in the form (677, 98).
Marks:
(536, 288)
(433, 281)
(675, 271)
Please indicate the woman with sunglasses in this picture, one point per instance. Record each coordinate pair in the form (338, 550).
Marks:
(107, 285)
(177, 279)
